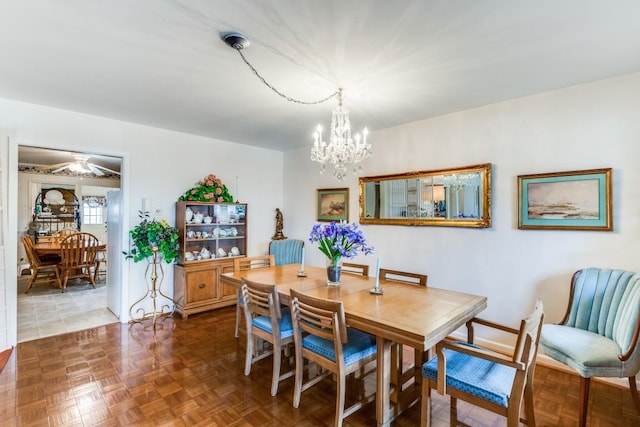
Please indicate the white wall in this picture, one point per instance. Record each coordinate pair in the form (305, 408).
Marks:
(589, 126)
(158, 164)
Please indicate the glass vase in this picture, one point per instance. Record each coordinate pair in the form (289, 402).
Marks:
(334, 271)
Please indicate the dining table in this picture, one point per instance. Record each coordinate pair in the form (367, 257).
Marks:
(53, 248)
(406, 314)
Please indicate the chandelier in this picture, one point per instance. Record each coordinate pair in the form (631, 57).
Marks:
(343, 151)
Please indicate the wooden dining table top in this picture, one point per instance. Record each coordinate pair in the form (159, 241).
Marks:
(53, 248)
(407, 314)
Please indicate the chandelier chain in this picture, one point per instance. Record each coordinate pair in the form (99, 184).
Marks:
(288, 98)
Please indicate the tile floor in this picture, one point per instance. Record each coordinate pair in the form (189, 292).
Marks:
(45, 311)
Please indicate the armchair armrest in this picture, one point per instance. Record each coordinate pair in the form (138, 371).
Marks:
(488, 323)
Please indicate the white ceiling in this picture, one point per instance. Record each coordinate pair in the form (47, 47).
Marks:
(162, 63)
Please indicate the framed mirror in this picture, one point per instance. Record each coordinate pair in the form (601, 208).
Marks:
(459, 197)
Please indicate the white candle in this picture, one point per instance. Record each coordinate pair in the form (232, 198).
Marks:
(302, 261)
(378, 273)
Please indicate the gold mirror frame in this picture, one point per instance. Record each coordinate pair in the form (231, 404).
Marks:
(431, 210)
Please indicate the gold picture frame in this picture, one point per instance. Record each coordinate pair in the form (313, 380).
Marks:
(333, 204)
(575, 200)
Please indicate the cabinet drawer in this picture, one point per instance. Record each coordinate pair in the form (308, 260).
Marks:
(201, 285)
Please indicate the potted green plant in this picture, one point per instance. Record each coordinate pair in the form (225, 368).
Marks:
(152, 236)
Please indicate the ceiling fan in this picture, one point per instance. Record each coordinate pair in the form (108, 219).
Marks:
(81, 165)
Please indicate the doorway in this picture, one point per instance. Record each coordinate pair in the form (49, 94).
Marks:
(45, 311)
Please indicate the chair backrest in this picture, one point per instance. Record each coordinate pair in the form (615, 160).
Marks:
(526, 347)
(261, 299)
(320, 317)
(403, 277)
(288, 251)
(607, 302)
(61, 234)
(78, 250)
(32, 256)
(352, 268)
(248, 263)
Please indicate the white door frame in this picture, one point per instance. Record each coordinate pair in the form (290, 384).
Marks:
(11, 236)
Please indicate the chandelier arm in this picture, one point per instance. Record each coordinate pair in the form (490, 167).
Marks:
(288, 98)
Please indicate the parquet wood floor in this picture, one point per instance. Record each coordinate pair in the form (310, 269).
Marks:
(191, 374)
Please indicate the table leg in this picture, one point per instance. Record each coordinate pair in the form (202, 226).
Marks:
(383, 371)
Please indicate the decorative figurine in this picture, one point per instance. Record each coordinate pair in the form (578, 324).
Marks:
(279, 226)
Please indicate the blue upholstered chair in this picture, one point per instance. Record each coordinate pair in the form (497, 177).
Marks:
(491, 380)
(598, 336)
(321, 336)
(288, 251)
(268, 321)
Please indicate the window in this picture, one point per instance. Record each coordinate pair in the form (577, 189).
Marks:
(92, 209)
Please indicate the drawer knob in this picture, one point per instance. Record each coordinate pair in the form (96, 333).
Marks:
(201, 285)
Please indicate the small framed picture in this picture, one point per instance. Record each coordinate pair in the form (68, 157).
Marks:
(577, 200)
(333, 204)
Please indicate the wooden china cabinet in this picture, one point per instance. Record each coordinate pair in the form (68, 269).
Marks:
(211, 236)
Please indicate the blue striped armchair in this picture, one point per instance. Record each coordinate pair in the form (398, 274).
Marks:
(598, 336)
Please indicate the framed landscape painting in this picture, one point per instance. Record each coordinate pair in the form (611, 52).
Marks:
(577, 200)
(333, 204)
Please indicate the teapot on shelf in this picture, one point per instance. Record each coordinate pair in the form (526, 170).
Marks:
(205, 253)
(208, 219)
(198, 217)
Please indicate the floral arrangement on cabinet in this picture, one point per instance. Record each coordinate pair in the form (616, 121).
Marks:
(209, 189)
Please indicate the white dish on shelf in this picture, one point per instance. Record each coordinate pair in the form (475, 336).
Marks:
(221, 253)
(55, 197)
(235, 251)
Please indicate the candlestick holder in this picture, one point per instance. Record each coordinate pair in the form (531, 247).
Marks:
(301, 273)
(376, 291)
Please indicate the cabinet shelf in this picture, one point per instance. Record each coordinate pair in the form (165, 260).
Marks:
(196, 285)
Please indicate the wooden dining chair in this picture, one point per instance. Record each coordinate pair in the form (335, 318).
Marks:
(399, 375)
(352, 268)
(78, 257)
(248, 263)
(321, 336)
(490, 380)
(41, 271)
(61, 234)
(266, 319)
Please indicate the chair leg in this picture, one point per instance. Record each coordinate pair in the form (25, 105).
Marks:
(238, 316)
(64, 280)
(425, 404)
(340, 396)
(584, 400)
(453, 412)
(634, 392)
(297, 388)
(34, 274)
(528, 404)
(277, 353)
(249, 356)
